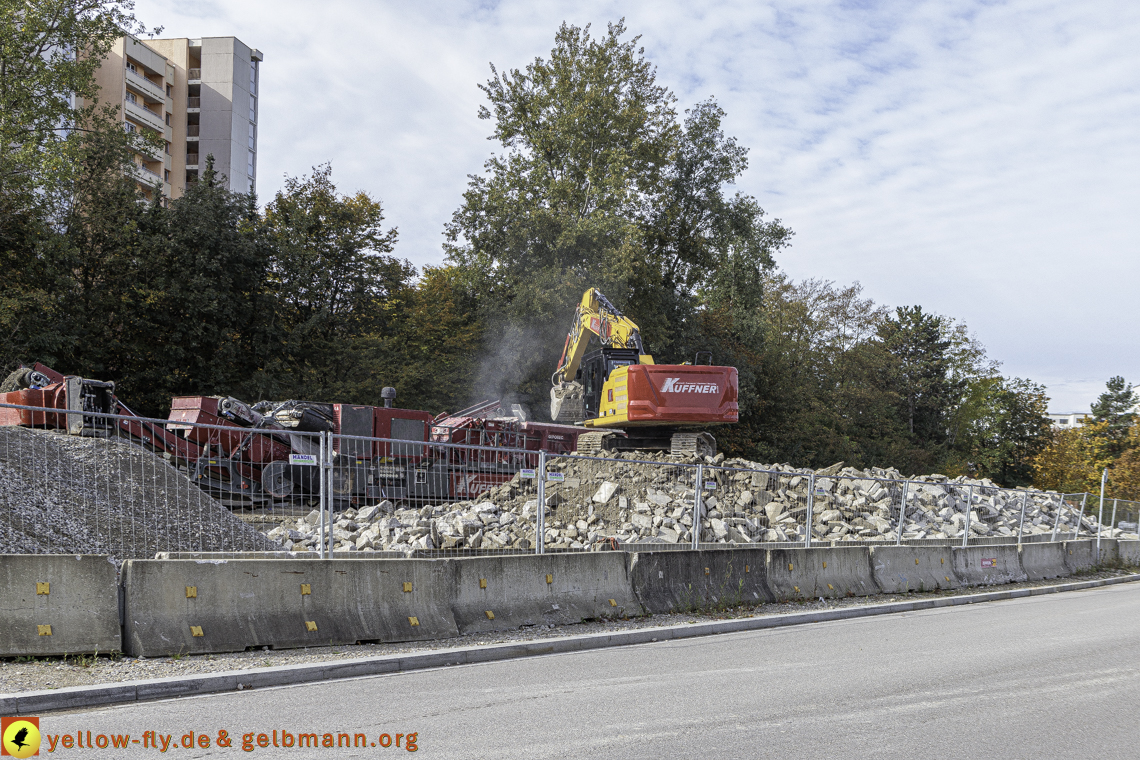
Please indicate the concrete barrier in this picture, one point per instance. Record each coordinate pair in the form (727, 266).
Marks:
(55, 604)
(506, 592)
(812, 573)
(1109, 551)
(988, 565)
(193, 607)
(279, 555)
(679, 581)
(899, 569)
(1080, 556)
(1041, 561)
(1129, 552)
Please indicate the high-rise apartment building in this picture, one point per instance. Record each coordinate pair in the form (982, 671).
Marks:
(140, 82)
(200, 95)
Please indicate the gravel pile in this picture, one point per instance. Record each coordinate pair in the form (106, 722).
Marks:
(652, 502)
(62, 494)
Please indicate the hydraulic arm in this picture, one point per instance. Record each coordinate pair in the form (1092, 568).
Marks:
(595, 317)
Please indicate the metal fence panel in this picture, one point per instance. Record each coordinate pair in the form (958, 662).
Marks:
(132, 487)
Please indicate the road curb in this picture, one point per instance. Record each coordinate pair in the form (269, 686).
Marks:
(40, 702)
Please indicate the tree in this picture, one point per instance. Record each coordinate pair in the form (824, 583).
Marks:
(822, 384)
(998, 430)
(1115, 408)
(49, 51)
(598, 185)
(916, 340)
(335, 288)
(1124, 477)
(1072, 462)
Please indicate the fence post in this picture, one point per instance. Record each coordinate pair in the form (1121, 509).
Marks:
(321, 485)
(1081, 516)
(329, 498)
(1100, 515)
(1057, 519)
(540, 508)
(697, 507)
(969, 508)
(1021, 525)
(1112, 526)
(808, 517)
(902, 512)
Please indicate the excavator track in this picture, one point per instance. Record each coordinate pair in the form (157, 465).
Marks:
(693, 444)
(594, 442)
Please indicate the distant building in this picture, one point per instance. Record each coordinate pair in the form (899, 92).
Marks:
(199, 95)
(1067, 421)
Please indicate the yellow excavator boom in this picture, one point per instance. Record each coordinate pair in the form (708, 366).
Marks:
(595, 316)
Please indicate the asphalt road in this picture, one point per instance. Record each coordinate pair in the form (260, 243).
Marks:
(1048, 676)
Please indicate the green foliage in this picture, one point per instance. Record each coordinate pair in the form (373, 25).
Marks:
(1073, 460)
(334, 287)
(1114, 408)
(598, 185)
(49, 51)
(922, 373)
(998, 429)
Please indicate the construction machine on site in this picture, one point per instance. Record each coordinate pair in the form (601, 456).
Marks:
(239, 452)
(625, 400)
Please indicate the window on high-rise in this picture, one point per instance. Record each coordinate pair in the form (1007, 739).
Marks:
(250, 163)
(252, 136)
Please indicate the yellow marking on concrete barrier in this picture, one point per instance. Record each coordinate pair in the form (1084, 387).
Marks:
(196, 631)
(797, 588)
(407, 587)
(482, 583)
(943, 561)
(191, 592)
(549, 578)
(831, 587)
(746, 568)
(42, 588)
(825, 564)
(306, 589)
(947, 578)
(1070, 552)
(490, 615)
(613, 603)
(43, 630)
(706, 571)
(310, 625)
(789, 567)
(413, 621)
(916, 560)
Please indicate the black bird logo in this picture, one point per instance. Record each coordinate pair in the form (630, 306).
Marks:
(18, 739)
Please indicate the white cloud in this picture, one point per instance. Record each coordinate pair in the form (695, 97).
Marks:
(979, 158)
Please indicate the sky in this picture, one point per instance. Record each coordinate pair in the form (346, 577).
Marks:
(981, 159)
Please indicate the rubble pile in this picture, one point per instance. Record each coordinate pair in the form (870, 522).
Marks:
(62, 494)
(645, 499)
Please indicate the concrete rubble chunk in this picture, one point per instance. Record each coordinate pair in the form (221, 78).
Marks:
(605, 492)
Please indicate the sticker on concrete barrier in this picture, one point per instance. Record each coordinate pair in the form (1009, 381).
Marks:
(555, 477)
(527, 474)
(310, 459)
(992, 562)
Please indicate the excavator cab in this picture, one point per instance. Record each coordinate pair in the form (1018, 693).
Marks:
(596, 369)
